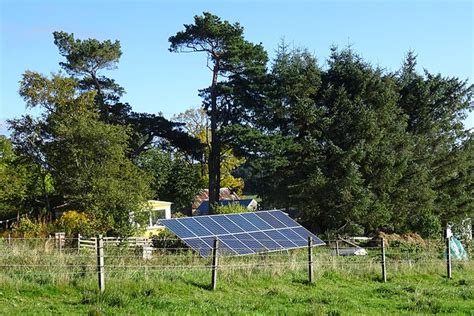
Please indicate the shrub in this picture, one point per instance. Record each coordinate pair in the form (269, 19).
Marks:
(429, 226)
(177, 215)
(230, 208)
(28, 229)
(74, 222)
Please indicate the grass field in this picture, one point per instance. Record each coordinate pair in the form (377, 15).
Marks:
(59, 284)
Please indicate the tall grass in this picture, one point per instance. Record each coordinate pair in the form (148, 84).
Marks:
(42, 257)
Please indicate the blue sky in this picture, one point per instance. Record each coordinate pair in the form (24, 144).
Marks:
(440, 32)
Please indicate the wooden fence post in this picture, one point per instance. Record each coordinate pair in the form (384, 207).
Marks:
(60, 239)
(214, 263)
(100, 262)
(310, 259)
(384, 268)
(9, 240)
(147, 252)
(337, 246)
(78, 243)
(448, 257)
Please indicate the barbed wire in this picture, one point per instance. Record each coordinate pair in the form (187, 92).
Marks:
(292, 260)
(129, 268)
(188, 253)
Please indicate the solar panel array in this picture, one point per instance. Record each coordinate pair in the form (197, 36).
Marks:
(241, 234)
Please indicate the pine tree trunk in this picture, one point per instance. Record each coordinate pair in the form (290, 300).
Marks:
(214, 154)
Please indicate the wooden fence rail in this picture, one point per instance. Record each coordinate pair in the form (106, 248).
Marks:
(130, 242)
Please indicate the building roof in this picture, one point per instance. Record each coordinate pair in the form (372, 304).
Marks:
(203, 209)
(224, 194)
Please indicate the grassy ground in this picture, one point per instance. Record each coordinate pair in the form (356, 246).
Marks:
(333, 293)
(342, 286)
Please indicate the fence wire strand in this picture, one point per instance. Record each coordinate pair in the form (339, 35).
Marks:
(67, 256)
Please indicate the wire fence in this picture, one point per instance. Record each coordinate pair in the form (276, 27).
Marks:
(64, 259)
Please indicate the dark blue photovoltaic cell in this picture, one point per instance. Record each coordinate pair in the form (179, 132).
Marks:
(208, 241)
(256, 221)
(303, 232)
(285, 219)
(195, 227)
(227, 224)
(282, 240)
(265, 240)
(211, 225)
(250, 242)
(272, 221)
(234, 244)
(177, 228)
(199, 245)
(243, 223)
(225, 250)
(294, 237)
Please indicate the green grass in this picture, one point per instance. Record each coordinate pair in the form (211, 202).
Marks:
(240, 293)
(342, 286)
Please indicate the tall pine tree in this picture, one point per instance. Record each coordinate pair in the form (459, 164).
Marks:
(236, 66)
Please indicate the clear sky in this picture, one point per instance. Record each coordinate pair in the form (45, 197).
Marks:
(440, 32)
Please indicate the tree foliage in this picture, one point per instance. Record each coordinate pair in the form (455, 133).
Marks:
(353, 146)
(19, 181)
(174, 178)
(440, 181)
(196, 124)
(85, 60)
(86, 157)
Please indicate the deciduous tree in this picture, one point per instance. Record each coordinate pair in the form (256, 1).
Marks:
(174, 178)
(196, 124)
(86, 157)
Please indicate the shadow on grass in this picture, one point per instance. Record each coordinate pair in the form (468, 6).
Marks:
(200, 285)
(304, 282)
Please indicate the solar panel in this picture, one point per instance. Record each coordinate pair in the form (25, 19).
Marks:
(268, 243)
(241, 234)
(202, 245)
(231, 243)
